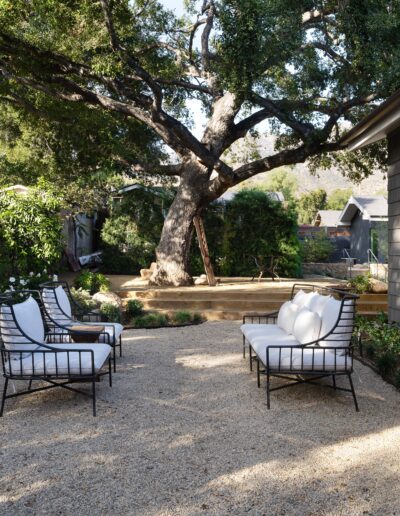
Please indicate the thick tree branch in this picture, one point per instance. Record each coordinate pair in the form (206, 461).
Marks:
(139, 167)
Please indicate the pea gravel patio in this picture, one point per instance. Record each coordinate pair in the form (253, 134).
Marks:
(185, 431)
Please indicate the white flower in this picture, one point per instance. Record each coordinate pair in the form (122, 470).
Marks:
(31, 274)
(11, 280)
(38, 274)
(23, 282)
(55, 277)
(11, 288)
(44, 271)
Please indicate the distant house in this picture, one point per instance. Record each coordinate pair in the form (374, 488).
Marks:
(230, 194)
(327, 218)
(367, 221)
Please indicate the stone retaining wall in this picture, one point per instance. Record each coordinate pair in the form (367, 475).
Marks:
(335, 270)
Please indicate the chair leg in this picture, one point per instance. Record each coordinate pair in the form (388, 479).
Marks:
(268, 393)
(251, 358)
(258, 374)
(334, 381)
(94, 396)
(120, 345)
(109, 371)
(244, 347)
(353, 392)
(114, 358)
(3, 398)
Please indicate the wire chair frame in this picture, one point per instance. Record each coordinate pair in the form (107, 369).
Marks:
(80, 362)
(77, 310)
(306, 353)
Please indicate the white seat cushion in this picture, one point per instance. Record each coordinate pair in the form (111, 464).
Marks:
(287, 316)
(306, 326)
(29, 319)
(45, 363)
(307, 359)
(108, 328)
(253, 330)
(260, 344)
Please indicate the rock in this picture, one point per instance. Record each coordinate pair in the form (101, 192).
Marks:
(201, 280)
(145, 274)
(107, 297)
(378, 287)
(153, 266)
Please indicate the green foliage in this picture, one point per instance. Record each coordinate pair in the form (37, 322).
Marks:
(29, 281)
(281, 180)
(361, 284)
(132, 231)
(182, 317)
(309, 204)
(258, 229)
(151, 321)
(92, 282)
(30, 232)
(83, 298)
(134, 308)
(317, 249)
(337, 200)
(110, 312)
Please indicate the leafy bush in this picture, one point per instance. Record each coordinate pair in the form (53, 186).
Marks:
(134, 308)
(30, 233)
(182, 317)
(151, 321)
(317, 249)
(83, 298)
(92, 282)
(110, 312)
(30, 281)
(259, 230)
(361, 284)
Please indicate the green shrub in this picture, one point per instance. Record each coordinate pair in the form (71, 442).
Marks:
(182, 317)
(197, 318)
(134, 308)
(361, 284)
(92, 282)
(317, 249)
(150, 321)
(110, 312)
(83, 298)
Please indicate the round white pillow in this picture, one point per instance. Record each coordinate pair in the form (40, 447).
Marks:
(287, 315)
(306, 326)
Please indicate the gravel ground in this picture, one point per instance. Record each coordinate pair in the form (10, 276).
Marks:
(185, 431)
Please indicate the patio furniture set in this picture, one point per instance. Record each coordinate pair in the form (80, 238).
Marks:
(47, 337)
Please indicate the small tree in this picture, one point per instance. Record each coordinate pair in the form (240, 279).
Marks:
(317, 249)
(281, 180)
(259, 231)
(30, 232)
(338, 198)
(309, 204)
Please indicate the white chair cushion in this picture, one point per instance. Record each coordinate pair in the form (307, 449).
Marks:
(254, 330)
(28, 317)
(55, 312)
(45, 363)
(298, 297)
(317, 303)
(306, 326)
(108, 328)
(260, 344)
(287, 315)
(308, 359)
(63, 301)
(341, 335)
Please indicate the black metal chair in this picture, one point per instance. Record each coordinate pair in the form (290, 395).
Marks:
(329, 355)
(62, 311)
(29, 354)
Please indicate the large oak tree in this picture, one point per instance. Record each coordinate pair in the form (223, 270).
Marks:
(297, 67)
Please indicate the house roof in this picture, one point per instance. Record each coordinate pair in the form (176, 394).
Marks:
(230, 194)
(329, 218)
(376, 126)
(372, 208)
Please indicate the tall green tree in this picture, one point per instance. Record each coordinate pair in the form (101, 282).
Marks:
(337, 200)
(281, 180)
(309, 204)
(303, 66)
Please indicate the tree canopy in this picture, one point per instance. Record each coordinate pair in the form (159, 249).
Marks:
(299, 68)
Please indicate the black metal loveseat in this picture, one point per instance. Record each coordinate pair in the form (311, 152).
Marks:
(308, 339)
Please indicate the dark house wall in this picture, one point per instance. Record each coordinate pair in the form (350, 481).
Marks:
(394, 226)
(360, 238)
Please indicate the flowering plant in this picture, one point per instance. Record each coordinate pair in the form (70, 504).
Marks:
(28, 282)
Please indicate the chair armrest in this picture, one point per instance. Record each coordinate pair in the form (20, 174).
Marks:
(68, 332)
(313, 363)
(261, 318)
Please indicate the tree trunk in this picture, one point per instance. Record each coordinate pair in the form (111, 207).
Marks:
(173, 251)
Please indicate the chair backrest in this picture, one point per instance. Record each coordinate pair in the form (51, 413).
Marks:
(56, 304)
(21, 324)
